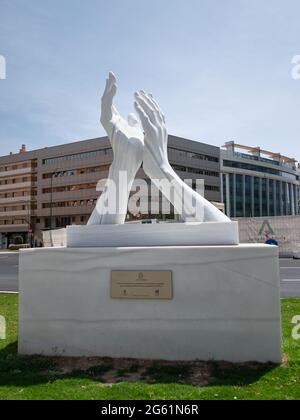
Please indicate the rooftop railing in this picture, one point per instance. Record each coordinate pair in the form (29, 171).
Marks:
(290, 166)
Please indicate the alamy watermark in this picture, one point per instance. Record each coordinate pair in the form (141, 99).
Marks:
(296, 67)
(2, 328)
(2, 68)
(296, 329)
(154, 197)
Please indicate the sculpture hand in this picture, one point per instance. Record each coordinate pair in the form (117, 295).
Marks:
(109, 114)
(127, 141)
(157, 167)
(126, 136)
(156, 136)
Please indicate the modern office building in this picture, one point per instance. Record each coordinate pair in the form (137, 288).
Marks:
(258, 183)
(56, 186)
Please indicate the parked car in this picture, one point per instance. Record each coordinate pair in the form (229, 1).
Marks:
(296, 254)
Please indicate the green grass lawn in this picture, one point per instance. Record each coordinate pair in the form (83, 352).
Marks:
(43, 378)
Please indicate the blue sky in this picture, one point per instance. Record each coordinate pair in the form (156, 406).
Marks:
(221, 70)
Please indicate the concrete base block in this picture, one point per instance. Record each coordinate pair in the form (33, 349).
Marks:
(225, 305)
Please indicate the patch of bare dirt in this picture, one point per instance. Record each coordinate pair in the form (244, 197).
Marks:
(129, 370)
(110, 371)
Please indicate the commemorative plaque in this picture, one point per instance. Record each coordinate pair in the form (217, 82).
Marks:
(141, 285)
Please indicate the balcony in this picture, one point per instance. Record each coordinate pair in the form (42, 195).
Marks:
(16, 213)
(17, 172)
(75, 179)
(13, 187)
(66, 211)
(10, 200)
(85, 194)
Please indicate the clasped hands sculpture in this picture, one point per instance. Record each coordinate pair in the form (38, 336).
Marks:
(146, 141)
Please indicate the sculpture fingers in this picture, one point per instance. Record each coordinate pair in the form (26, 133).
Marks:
(151, 100)
(110, 92)
(147, 108)
(113, 90)
(110, 87)
(109, 113)
(153, 105)
(145, 120)
(111, 81)
(112, 77)
(148, 100)
(158, 108)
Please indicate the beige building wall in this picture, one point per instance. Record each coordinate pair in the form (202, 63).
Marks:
(18, 196)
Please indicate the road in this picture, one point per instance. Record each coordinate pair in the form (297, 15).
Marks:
(290, 278)
(9, 272)
(289, 272)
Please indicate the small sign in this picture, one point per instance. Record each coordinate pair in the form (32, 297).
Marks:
(141, 285)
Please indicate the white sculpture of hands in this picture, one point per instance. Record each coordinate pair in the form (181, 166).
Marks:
(127, 141)
(157, 166)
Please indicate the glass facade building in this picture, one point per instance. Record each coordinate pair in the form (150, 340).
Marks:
(258, 183)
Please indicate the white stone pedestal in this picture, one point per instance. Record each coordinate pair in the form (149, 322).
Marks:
(159, 234)
(225, 305)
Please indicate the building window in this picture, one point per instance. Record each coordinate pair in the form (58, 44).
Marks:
(224, 184)
(272, 198)
(195, 171)
(239, 196)
(62, 222)
(71, 203)
(78, 156)
(248, 196)
(257, 197)
(265, 198)
(67, 188)
(257, 168)
(278, 199)
(192, 155)
(212, 188)
(47, 223)
(231, 190)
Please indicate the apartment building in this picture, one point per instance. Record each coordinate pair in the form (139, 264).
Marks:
(54, 187)
(18, 191)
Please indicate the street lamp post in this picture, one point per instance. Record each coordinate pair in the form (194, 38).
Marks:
(53, 175)
(51, 200)
(29, 233)
(28, 220)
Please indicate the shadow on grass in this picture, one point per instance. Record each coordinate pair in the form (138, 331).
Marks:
(208, 373)
(28, 371)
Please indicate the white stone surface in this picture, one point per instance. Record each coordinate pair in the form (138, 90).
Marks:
(56, 238)
(226, 304)
(160, 234)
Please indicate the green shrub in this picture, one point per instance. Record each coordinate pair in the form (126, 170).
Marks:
(18, 240)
